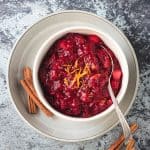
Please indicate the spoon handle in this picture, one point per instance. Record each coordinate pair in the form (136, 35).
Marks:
(124, 124)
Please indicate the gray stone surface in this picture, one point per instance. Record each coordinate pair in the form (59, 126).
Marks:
(132, 16)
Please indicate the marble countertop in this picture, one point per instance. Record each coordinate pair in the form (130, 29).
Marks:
(131, 16)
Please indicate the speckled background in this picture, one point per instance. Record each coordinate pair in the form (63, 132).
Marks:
(132, 16)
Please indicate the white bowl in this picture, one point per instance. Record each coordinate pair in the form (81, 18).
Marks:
(85, 30)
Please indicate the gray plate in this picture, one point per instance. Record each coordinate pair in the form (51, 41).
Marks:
(24, 53)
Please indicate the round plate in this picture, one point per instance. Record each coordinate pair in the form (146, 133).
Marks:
(24, 53)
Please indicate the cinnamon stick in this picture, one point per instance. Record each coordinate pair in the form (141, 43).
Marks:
(119, 147)
(27, 74)
(121, 139)
(28, 77)
(35, 98)
(31, 106)
(130, 144)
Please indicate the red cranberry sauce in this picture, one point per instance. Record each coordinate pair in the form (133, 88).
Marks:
(74, 75)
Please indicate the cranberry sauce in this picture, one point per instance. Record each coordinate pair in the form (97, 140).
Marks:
(74, 75)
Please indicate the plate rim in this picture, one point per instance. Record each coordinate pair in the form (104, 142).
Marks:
(53, 14)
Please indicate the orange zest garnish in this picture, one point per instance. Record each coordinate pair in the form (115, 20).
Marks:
(66, 81)
(76, 64)
(76, 73)
(67, 69)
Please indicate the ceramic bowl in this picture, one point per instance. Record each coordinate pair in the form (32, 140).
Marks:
(84, 30)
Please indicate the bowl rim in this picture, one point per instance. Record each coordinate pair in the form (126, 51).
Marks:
(37, 61)
(27, 30)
